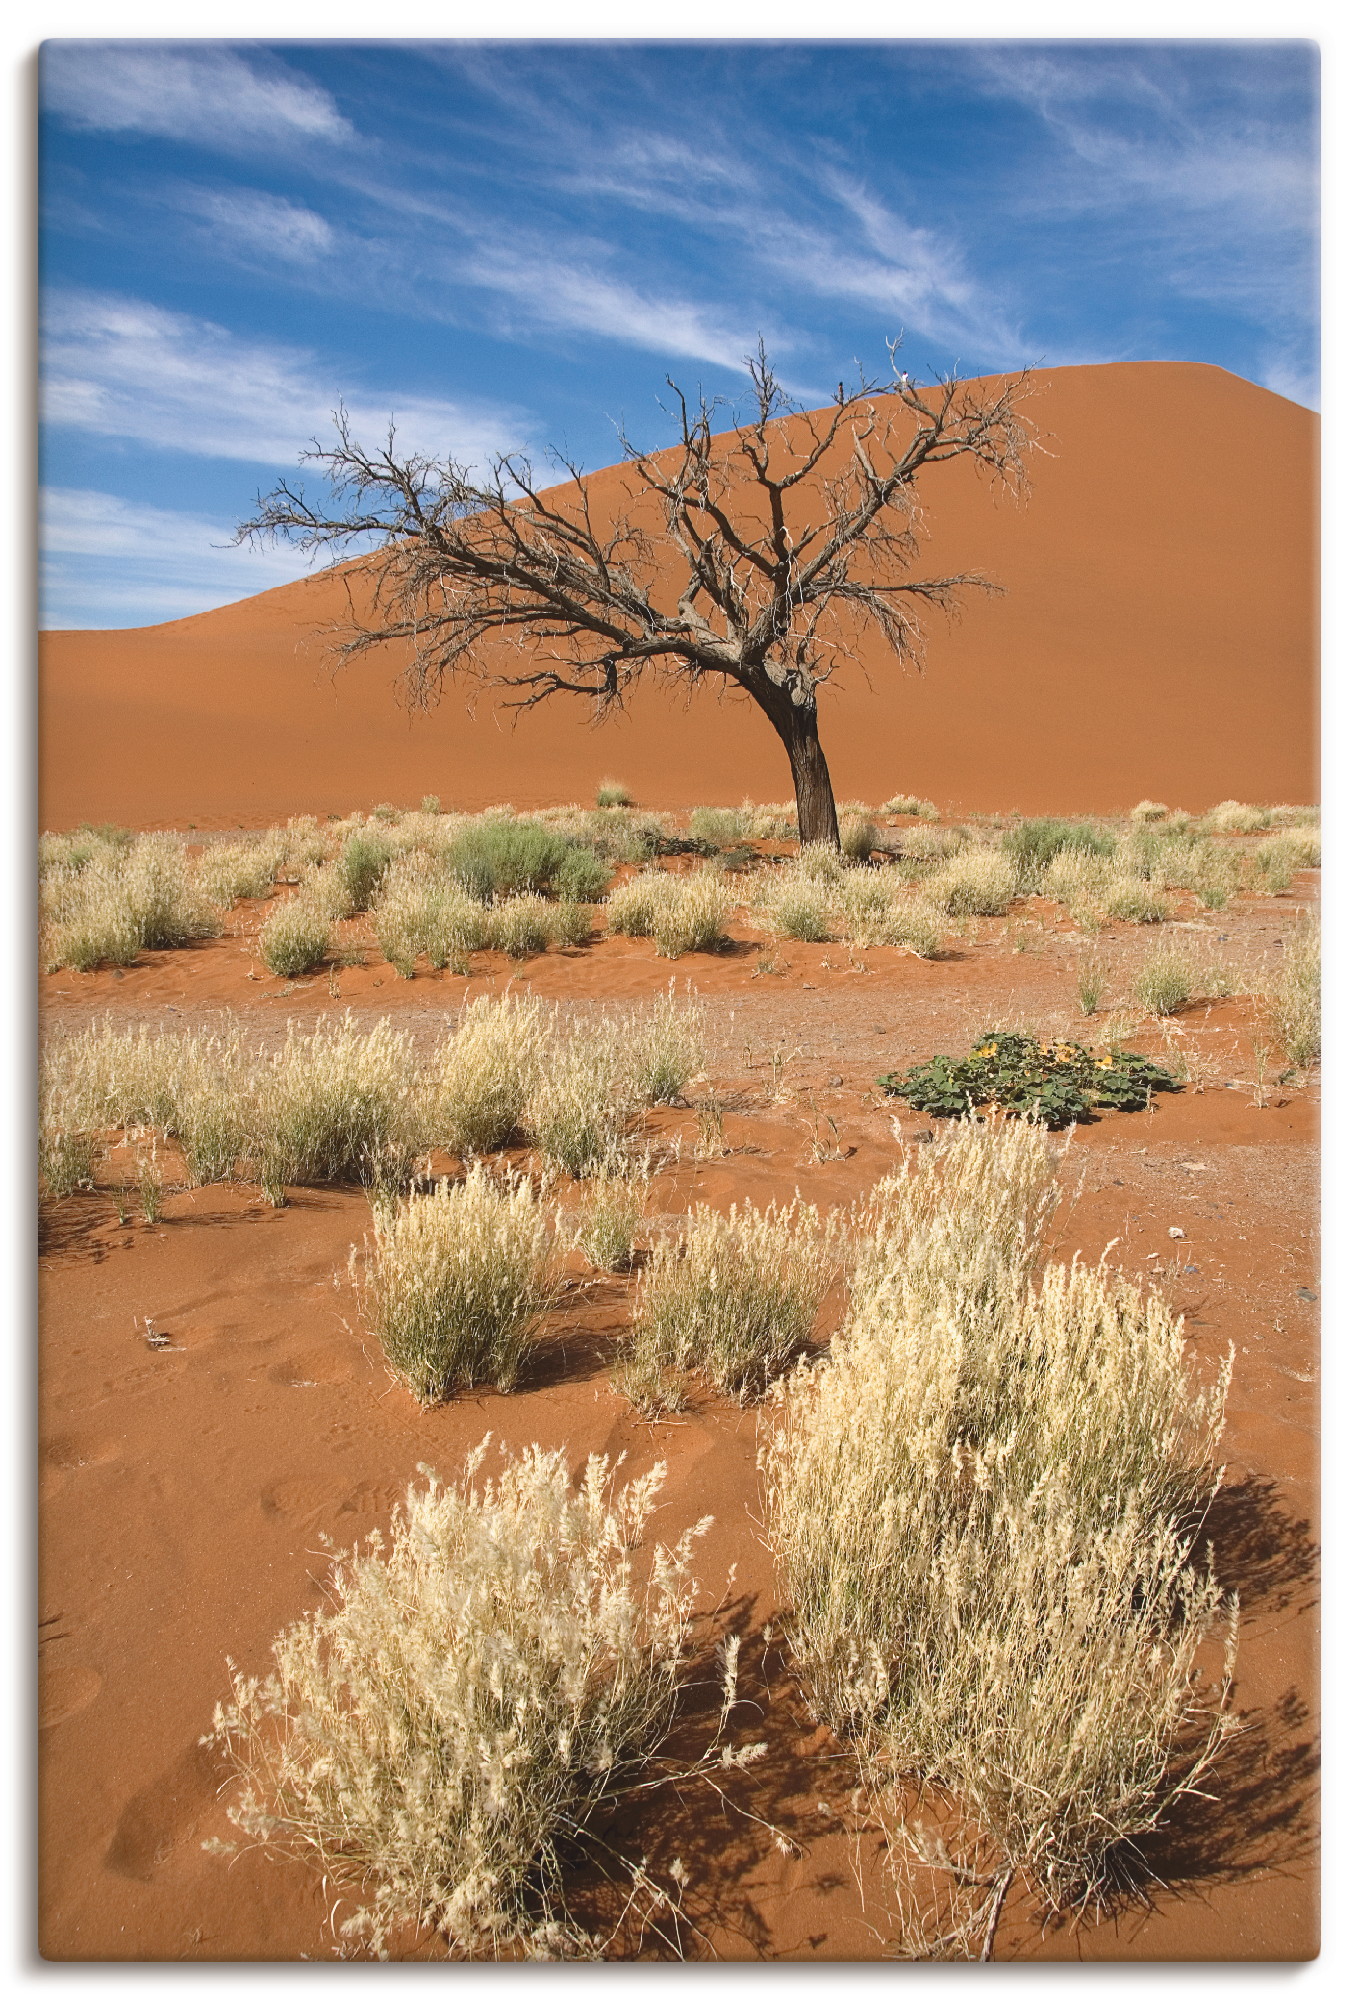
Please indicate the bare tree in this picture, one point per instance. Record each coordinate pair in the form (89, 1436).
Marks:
(759, 556)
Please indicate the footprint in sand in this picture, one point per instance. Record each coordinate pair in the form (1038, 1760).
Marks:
(64, 1690)
(155, 1821)
(67, 1454)
(289, 1497)
(314, 1368)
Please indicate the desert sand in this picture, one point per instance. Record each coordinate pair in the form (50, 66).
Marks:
(1156, 638)
(186, 1488)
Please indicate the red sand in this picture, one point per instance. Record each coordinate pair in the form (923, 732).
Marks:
(185, 1490)
(1157, 638)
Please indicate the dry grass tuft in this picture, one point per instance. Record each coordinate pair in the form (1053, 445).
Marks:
(110, 901)
(1292, 996)
(610, 1217)
(978, 882)
(736, 1300)
(982, 1503)
(231, 871)
(457, 1282)
(479, 1691)
(297, 936)
(489, 1071)
(335, 1104)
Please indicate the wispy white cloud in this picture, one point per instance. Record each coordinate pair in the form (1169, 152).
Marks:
(206, 93)
(261, 227)
(121, 368)
(110, 560)
(575, 294)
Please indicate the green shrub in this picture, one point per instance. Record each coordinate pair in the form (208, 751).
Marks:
(506, 857)
(581, 876)
(360, 866)
(1058, 1082)
(1032, 845)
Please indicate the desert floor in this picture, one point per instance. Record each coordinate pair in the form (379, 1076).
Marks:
(186, 1489)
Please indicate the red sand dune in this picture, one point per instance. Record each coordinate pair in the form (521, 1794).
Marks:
(1157, 638)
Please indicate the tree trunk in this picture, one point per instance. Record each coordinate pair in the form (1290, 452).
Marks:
(797, 726)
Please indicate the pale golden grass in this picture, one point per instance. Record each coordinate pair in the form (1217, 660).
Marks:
(297, 936)
(982, 1503)
(735, 1300)
(521, 926)
(336, 1104)
(489, 1070)
(122, 901)
(229, 871)
(1292, 996)
(630, 910)
(792, 905)
(333, 1104)
(910, 807)
(580, 1106)
(456, 1283)
(1233, 817)
(872, 910)
(475, 1695)
(694, 915)
(918, 849)
(859, 836)
(1172, 975)
(1092, 886)
(681, 912)
(977, 882)
(571, 1084)
(607, 1223)
(1277, 859)
(1148, 811)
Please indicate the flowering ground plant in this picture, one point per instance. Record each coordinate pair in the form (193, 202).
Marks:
(1059, 1082)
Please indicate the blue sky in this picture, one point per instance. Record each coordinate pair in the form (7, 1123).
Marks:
(510, 245)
